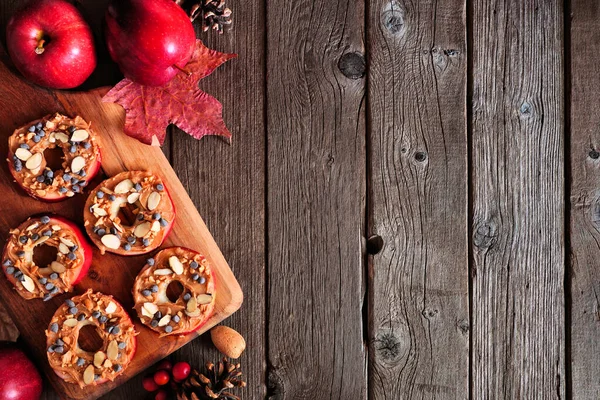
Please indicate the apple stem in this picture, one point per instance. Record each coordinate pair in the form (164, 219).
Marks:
(40, 47)
(185, 71)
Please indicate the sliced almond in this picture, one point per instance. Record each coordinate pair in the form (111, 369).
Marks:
(63, 248)
(195, 313)
(88, 375)
(155, 226)
(151, 308)
(67, 242)
(164, 320)
(77, 164)
(57, 267)
(71, 322)
(153, 201)
(23, 154)
(33, 226)
(40, 241)
(112, 351)
(133, 197)
(146, 313)
(163, 272)
(176, 265)
(205, 299)
(50, 125)
(142, 229)
(107, 364)
(111, 241)
(56, 228)
(99, 358)
(192, 305)
(99, 212)
(61, 136)
(124, 186)
(79, 135)
(34, 161)
(28, 284)
(111, 307)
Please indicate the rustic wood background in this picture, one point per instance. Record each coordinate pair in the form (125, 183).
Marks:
(411, 202)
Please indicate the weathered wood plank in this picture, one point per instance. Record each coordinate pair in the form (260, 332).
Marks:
(419, 339)
(316, 199)
(227, 184)
(518, 319)
(585, 200)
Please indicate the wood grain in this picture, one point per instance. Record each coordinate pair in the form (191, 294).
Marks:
(584, 268)
(227, 184)
(109, 274)
(419, 293)
(518, 182)
(316, 199)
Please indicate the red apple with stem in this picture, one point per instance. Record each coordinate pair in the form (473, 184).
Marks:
(19, 379)
(150, 40)
(51, 45)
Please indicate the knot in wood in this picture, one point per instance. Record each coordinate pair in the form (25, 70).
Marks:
(485, 234)
(420, 156)
(526, 110)
(429, 313)
(93, 275)
(275, 389)
(463, 326)
(594, 155)
(388, 346)
(353, 65)
(392, 18)
(374, 244)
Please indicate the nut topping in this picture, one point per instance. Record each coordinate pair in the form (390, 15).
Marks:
(77, 164)
(88, 375)
(124, 186)
(111, 241)
(142, 229)
(111, 308)
(153, 201)
(176, 265)
(79, 135)
(34, 161)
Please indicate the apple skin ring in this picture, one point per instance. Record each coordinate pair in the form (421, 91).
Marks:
(193, 306)
(73, 257)
(129, 214)
(28, 164)
(114, 327)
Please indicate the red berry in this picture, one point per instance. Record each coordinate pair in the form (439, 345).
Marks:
(161, 377)
(161, 395)
(149, 384)
(181, 370)
(164, 364)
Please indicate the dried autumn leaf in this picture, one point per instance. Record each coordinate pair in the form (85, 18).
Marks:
(149, 110)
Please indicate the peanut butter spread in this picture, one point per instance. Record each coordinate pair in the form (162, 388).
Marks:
(130, 213)
(195, 304)
(29, 165)
(113, 325)
(43, 281)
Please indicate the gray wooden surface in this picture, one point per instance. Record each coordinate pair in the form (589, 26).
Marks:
(411, 199)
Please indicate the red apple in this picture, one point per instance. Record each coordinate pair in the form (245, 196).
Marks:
(51, 44)
(150, 40)
(19, 379)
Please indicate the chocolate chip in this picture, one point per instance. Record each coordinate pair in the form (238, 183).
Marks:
(53, 276)
(113, 230)
(163, 222)
(146, 293)
(59, 342)
(36, 139)
(31, 128)
(51, 349)
(116, 330)
(122, 345)
(110, 329)
(62, 190)
(70, 303)
(7, 263)
(112, 197)
(72, 129)
(158, 315)
(131, 239)
(100, 194)
(71, 256)
(168, 329)
(43, 280)
(195, 277)
(40, 179)
(194, 265)
(87, 145)
(103, 319)
(96, 314)
(187, 296)
(47, 233)
(127, 247)
(47, 297)
(101, 232)
(73, 310)
(10, 270)
(24, 146)
(137, 187)
(154, 323)
(202, 280)
(117, 367)
(76, 188)
(20, 254)
(150, 261)
(50, 173)
(154, 288)
(160, 187)
(156, 216)
(175, 318)
(45, 219)
(54, 327)
(80, 362)
(146, 242)
(59, 349)
(80, 317)
(72, 149)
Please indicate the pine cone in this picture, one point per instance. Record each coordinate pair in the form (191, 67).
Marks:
(213, 13)
(214, 385)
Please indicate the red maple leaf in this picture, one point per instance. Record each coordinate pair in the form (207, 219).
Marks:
(149, 110)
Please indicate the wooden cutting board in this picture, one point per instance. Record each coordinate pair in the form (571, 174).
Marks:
(20, 103)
